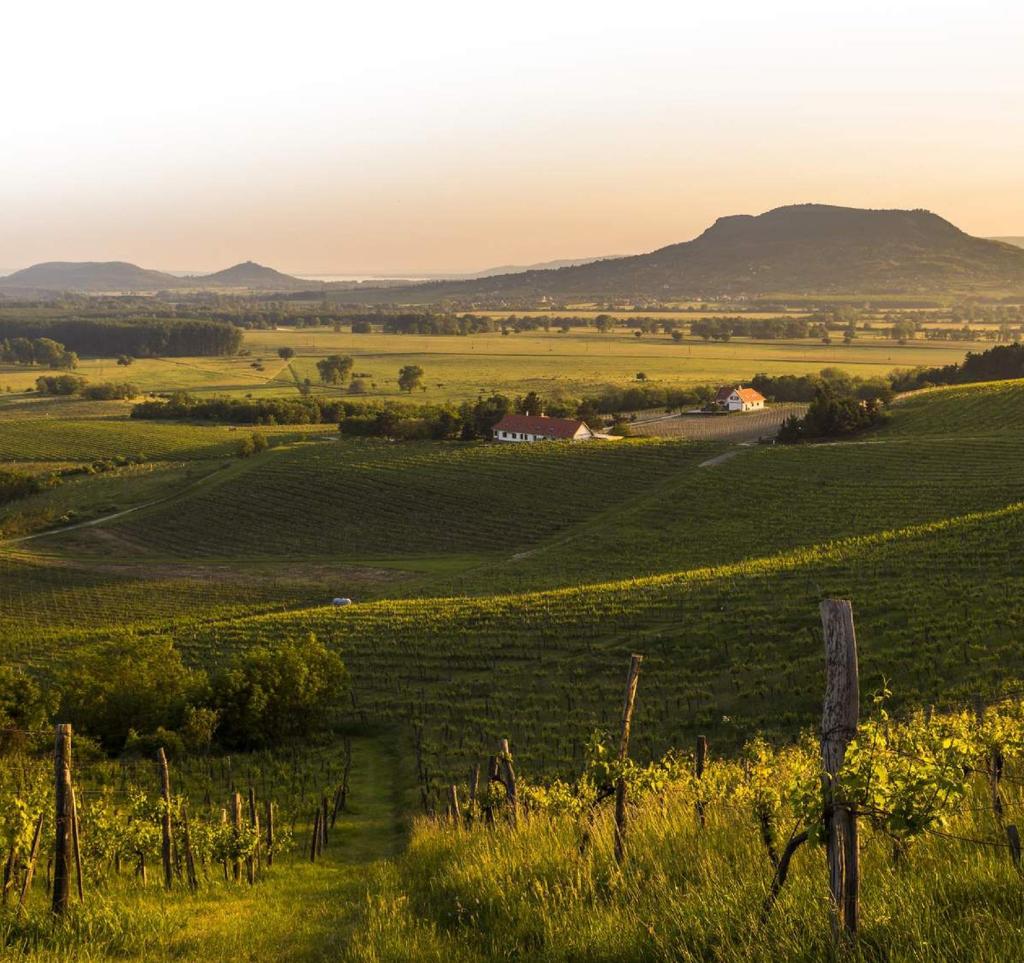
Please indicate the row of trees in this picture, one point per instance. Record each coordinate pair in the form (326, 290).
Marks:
(131, 337)
(139, 693)
(68, 384)
(44, 352)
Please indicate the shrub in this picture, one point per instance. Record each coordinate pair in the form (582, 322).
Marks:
(59, 384)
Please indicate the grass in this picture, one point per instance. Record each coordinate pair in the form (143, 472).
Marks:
(120, 920)
(684, 894)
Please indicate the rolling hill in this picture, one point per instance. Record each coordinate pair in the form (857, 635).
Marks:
(801, 249)
(120, 276)
(91, 276)
(254, 277)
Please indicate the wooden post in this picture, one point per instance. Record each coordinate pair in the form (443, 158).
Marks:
(313, 848)
(76, 845)
(453, 805)
(250, 860)
(63, 818)
(236, 823)
(507, 776)
(474, 785)
(270, 832)
(492, 777)
(30, 868)
(166, 844)
(632, 678)
(323, 823)
(839, 719)
(224, 822)
(190, 862)
(700, 758)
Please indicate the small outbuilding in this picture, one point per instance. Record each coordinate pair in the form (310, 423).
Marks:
(529, 428)
(739, 398)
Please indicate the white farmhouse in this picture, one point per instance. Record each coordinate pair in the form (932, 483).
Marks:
(541, 428)
(739, 399)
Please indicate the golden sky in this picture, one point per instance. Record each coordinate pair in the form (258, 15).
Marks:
(342, 137)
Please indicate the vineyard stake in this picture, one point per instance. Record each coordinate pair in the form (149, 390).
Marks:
(190, 863)
(250, 860)
(165, 817)
(454, 812)
(236, 822)
(76, 845)
(316, 836)
(632, 678)
(224, 822)
(31, 867)
(839, 719)
(270, 832)
(700, 758)
(63, 818)
(507, 776)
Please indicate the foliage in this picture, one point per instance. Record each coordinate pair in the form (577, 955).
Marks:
(831, 416)
(334, 369)
(290, 689)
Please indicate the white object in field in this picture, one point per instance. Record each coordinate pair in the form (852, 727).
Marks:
(341, 601)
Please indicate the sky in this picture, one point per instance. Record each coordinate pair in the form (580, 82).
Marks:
(356, 137)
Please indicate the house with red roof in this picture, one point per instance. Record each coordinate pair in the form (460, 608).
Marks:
(739, 398)
(541, 428)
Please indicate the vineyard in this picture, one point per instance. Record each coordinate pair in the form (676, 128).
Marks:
(367, 499)
(749, 426)
(498, 593)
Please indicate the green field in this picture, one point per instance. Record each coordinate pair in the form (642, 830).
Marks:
(500, 589)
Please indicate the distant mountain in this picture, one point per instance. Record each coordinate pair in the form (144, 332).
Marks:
(253, 276)
(542, 266)
(802, 249)
(92, 276)
(1015, 241)
(119, 276)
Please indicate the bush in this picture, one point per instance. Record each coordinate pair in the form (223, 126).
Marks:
(832, 416)
(59, 384)
(278, 691)
(16, 484)
(111, 391)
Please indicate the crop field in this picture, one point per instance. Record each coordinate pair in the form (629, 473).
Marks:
(367, 499)
(747, 426)
(577, 362)
(730, 650)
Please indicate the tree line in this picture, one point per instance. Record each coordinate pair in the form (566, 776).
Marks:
(134, 337)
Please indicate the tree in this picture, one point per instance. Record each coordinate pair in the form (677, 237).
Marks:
(286, 354)
(604, 323)
(282, 690)
(334, 369)
(677, 334)
(125, 360)
(641, 376)
(128, 684)
(410, 377)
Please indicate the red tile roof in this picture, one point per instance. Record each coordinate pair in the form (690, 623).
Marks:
(541, 425)
(746, 394)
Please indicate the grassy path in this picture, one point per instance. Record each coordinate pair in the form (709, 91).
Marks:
(309, 911)
(298, 912)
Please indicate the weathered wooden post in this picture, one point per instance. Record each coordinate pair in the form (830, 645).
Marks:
(474, 785)
(30, 867)
(76, 845)
(224, 822)
(507, 776)
(632, 678)
(190, 862)
(236, 824)
(251, 859)
(314, 845)
(840, 715)
(63, 818)
(700, 758)
(454, 812)
(270, 832)
(165, 817)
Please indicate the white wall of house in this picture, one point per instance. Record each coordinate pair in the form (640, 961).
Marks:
(520, 436)
(736, 403)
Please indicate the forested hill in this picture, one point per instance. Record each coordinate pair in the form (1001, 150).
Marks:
(802, 249)
(109, 276)
(252, 276)
(89, 276)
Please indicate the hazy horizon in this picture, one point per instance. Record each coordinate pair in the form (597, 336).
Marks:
(451, 139)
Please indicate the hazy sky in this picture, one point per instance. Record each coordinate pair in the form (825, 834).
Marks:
(451, 135)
